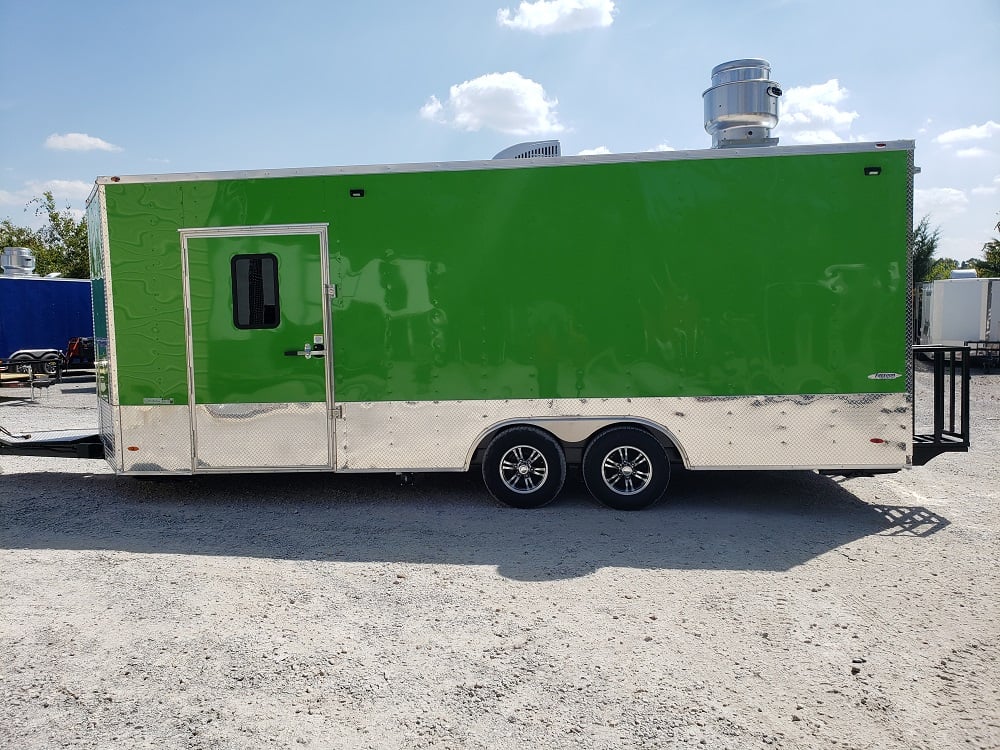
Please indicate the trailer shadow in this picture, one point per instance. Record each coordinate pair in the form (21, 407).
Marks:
(712, 520)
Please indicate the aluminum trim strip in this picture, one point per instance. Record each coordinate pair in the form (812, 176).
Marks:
(910, 305)
(109, 299)
(254, 230)
(546, 161)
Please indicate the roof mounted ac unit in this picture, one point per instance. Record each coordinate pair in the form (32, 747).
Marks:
(530, 149)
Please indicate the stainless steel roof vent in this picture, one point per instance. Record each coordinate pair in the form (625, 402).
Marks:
(742, 105)
(530, 150)
(17, 261)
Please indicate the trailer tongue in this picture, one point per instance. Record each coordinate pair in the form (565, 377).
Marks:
(52, 444)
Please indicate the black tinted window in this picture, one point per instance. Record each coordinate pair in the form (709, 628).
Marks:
(255, 291)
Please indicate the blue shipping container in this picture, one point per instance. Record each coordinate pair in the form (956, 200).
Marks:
(38, 313)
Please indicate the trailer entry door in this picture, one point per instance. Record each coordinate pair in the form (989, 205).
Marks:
(259, 368)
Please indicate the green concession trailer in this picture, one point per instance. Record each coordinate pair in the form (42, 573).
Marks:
(740, 308)
(746, 306)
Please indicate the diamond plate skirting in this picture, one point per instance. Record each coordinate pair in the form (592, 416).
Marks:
(818, 432)
(108, 433)
(766, 432)
(262, 436)
(155, 439)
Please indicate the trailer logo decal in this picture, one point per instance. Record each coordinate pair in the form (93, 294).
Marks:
(884, 376)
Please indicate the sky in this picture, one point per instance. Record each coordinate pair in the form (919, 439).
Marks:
(128, 87)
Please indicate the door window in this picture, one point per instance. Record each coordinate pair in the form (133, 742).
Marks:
(255, 291)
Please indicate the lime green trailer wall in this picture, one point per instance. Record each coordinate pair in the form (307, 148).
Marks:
(576, 292)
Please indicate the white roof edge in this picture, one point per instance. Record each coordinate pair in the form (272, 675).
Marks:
(548, 161)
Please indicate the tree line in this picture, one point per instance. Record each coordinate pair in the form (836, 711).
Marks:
(59, 245)
(928, 268)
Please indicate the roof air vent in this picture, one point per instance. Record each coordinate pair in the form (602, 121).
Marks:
(529, 150)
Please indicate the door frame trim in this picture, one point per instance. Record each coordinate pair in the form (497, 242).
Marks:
(321, 230)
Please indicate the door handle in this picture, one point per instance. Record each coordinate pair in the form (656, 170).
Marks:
(309, 351)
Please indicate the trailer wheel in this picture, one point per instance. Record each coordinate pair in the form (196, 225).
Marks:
(50, 366)
(626, 468)
(524, 467)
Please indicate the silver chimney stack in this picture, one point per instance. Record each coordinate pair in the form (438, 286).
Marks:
(17, 261)
(741, 107)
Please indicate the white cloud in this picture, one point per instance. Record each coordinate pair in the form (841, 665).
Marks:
(8, 198)
(62, 191)
(78, 142)
(815, 136)
(557, 16)
(594, 151)
(432, 109)
(811, 114)
(972, 153)
(662, 147)
(506, 102)
(971, 133)
(987, 190)
(940, 203)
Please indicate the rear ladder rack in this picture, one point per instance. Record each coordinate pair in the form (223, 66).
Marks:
(941, 440)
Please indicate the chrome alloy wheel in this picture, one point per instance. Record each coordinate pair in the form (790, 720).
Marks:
(523, 469)
(626, 470)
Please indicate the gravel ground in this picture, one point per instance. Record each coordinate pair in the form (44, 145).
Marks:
(764, 609)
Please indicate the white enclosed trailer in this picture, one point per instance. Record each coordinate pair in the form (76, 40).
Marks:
(956, 311)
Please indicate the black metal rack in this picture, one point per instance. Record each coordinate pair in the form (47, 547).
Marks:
(951, 414)
(987, 352)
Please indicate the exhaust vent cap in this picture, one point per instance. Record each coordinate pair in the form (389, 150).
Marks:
(741, 107)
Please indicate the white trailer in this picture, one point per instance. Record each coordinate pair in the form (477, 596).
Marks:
(956, 311)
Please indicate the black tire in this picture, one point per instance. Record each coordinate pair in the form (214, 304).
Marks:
(524, 467)
(626, 468)
(50, 366)
(22, 366)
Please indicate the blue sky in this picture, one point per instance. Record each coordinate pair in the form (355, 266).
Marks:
(123, 87)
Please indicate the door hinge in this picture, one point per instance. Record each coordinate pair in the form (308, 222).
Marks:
(337, 412)
(331, 290)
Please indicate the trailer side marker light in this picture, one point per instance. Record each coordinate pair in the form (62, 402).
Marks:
(876, 440)
(357, 192)
(133, 447)
(873, 171)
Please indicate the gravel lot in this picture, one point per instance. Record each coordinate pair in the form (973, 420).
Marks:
(774, 609)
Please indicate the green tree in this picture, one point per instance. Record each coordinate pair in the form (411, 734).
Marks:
(941, 268)
(64, 241)
(990, 264)
(59, 245)
(925, 244)
(12, 235)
